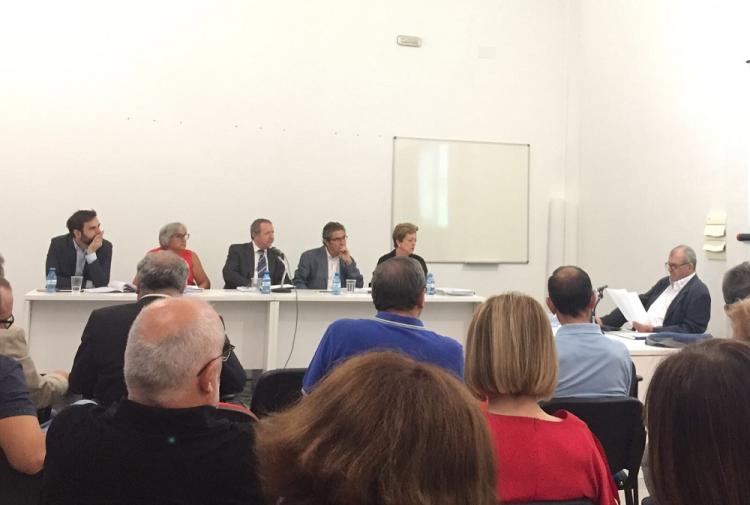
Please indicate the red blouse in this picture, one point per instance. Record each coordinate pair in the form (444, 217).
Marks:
(545, 460)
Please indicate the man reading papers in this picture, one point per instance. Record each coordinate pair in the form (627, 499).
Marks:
(677, 303)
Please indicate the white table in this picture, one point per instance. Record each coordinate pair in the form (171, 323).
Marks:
(262, 327)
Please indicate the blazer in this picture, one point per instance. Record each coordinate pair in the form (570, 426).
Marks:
(689, 312)
(239, 268)
(312, 270)
(97, 372)
(62, 257)
(392, 254)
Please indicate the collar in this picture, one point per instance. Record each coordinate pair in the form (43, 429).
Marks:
(579, 329)
(682, 282)
(328, 254)
(155, 419)
(395, 318)
(256, 249)
(77, 247)
(153, 295)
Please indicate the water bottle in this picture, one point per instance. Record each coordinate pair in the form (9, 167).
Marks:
(336, 284)
(430, 284)
(51, 280)
(265, 284)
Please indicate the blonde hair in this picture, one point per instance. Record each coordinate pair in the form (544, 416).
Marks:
(739, 315)
(402, 230)
(510, 349)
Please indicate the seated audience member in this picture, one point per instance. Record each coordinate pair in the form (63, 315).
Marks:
(739, 317)
(165, 443)
(736, 284)
(83, 251)
(696, 414)
(173, 237)
(381, 429)
(678, 303)
(250, 260)
(404, 243)
(21, 438)
(97, 371)
(317, 267)
(591, 364)
(511, 362)
(45, 389)
(398, 289)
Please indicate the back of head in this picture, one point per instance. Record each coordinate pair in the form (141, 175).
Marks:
(77, 220)
(510, 349)
(699, 438)
(736, 283)
(739, 315)
(397, 284)
(168, 344)
(570, 290)
(381, 429)
(162, 271)
(6, 298)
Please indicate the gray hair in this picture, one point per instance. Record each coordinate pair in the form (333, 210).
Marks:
(168, 231)
(169, 342)
(397, 284)
(689, 253)
(736, 283)
(255, 226)
(162, 271)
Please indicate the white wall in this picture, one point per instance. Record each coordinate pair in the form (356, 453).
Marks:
(663, 137)
(214, 113)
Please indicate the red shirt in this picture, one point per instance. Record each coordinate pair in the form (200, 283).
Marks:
(545, 460)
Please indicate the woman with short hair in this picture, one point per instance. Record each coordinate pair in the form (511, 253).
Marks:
(404, 243)
(173, 237)
(381, 429)
(512, 364)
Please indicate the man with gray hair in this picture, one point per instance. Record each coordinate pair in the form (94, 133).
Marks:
(398, 292)
(165, 443)
(679, 302)
(736, 284)
(97, 371)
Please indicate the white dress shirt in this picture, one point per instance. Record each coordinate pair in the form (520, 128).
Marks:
(658, 309)
(82, 257)
(333, 267)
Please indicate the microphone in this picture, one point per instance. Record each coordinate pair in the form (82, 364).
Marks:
(599, 296)
(282, 258)
(743, 237)
(600, 290)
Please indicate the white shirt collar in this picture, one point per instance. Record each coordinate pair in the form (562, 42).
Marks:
(330, 258)
(682, 282)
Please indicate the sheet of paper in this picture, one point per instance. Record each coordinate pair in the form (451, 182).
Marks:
(630, 305)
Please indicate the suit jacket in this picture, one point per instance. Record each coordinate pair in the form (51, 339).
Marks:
(98, 365)
(62, 256)
(689, 312)
(45, 389)
(312, 270)
(239, 267)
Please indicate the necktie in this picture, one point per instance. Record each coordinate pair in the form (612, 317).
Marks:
(262, 267)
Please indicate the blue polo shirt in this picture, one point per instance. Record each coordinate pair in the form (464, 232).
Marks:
(591, 365)
(389, 332)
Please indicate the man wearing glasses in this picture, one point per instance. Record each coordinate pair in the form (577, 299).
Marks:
(318, 266)
(166, 442)
(677, 303)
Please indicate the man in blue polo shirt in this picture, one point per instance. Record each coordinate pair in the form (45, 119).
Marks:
(398, 292)
(591, 364)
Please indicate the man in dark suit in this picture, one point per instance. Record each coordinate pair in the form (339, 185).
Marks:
(678, 303)
(83, 251)
(248, 261)
(98, 365)
(317, 267)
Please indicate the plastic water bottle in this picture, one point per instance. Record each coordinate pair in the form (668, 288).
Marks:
(51, 280)
(265, 284)
(336, 284)
(430, 284)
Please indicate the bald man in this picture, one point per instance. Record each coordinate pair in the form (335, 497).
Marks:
(164, 443)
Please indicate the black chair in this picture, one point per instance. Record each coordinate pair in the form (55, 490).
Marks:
(17, 488)
(618, 424)
(277, 390)
(580, 501)
(635, 379)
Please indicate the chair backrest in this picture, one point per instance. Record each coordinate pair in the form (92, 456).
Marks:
(580, 501)
(17, 488)
(618, 424)
(277, 390)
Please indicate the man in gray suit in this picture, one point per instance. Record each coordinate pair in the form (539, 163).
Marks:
(317, 267)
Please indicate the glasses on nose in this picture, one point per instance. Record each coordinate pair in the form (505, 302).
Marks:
(226, 351)
(181, 235)
(673, 266)
(6, 323)
(337, 239)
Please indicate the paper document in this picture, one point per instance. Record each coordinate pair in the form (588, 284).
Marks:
(456, 291)
(631, 335)
(113, 287)
(629, 304)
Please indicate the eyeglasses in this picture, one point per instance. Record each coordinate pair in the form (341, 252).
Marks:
(673, 266)
(338, 239)
(7, 323)
(181, 235)
(226, 351)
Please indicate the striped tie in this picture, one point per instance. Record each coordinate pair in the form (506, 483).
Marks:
(262, 267)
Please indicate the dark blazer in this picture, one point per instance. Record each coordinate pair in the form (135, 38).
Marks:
(392, 254)
(239, 267)
(98, 365)
(312, 270)
(689, 312)
(62, 256)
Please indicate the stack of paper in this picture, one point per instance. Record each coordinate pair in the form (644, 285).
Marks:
(629, 304)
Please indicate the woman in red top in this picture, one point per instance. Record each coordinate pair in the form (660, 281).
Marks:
(511, 362)
(173, 237)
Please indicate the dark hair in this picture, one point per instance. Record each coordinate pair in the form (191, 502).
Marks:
(397, 284)
(330, 227)
(570, 290)
(79, 218)
(424, 442)
(697, 413)
(255, 226)
(736, 283)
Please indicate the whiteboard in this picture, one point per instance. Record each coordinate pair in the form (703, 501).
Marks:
(470, 200)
